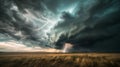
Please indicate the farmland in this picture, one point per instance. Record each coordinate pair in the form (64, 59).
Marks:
(59, 59)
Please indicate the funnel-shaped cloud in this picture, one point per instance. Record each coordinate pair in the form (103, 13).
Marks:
(87, 25)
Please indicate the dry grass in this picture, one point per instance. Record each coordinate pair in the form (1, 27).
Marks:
(59, 60)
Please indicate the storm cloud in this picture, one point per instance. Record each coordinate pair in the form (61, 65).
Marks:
(89, 25)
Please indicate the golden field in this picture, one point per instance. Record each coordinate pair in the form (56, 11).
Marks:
(59, 60)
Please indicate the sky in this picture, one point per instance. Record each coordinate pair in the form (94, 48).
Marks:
(59, 25)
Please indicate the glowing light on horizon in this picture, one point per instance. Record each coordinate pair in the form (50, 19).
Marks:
(13, 46)
(67, 47)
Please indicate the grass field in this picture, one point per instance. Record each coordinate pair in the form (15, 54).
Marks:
(59, 60)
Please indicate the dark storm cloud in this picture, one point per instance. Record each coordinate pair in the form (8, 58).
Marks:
(58, 5)
(102, 28)
(90, 25)
(7, 23)
(13, 20)
(19, 18)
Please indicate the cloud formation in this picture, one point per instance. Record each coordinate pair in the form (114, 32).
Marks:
(87, 25)
(13, 46)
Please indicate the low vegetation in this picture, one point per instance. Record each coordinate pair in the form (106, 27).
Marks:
(59, 60)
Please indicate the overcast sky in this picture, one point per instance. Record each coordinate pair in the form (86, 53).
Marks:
(38, 25)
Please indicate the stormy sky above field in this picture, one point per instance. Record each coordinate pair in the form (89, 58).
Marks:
(55, 25)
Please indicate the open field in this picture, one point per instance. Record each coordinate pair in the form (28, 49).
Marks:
(59, 60)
